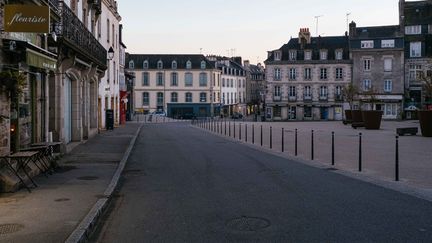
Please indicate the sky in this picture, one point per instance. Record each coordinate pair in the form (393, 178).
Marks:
(247, 28)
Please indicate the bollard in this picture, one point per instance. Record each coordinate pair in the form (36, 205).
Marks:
(261, 136)
(240, 131)
(295, 143)
(234, 130)
(229, 128)
(333, 148)
(397, 159)
(225, 128)
(360, 152)
(253, 133)
(221, 127)
(283, 139)
(312, 145)
(246, 133)
(271, 138)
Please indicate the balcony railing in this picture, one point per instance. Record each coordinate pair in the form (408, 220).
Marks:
(75, 34)
(323, 98)
(54, 5)
(277, 98)
(307, 98)
(338, 97)
(292, 98)
(96, 5)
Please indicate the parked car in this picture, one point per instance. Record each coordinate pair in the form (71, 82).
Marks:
(159, 113)
(236, 115)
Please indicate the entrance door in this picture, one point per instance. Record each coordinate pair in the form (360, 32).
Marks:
(293, 113)
(324, 113)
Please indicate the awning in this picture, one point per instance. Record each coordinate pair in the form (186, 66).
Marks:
(40, 60)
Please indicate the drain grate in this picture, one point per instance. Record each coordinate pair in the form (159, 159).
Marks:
(248, 224)
(10, 228)
(62, 200)
(88, 178)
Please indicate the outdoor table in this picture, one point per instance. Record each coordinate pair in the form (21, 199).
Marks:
(42, 157)
(50, 149)
(22, 159)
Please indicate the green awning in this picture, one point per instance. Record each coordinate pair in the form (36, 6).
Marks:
(40, 60)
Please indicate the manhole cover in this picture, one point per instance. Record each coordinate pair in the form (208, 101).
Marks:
(10, 228)
(248, 224)
(66, 168)
(88, 178)
(62, 200)
(331, 169)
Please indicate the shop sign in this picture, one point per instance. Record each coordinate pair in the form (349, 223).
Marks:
(27, 18)
(36, 59)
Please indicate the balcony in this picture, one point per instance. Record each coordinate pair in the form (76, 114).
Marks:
(292, 98)
(307, 98)
(323, 98)
(277, 98)
(74, 34)
(96, 5)
(338, 98)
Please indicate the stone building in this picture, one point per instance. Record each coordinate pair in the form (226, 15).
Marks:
(182, 86)
(255, 87)
(378, 68)
(305, 78)
(416, 23)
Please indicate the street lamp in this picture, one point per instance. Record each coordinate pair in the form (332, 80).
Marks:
(110, 53)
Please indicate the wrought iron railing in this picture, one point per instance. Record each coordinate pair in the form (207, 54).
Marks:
(54, 4)
(75, 33)
(96, 5)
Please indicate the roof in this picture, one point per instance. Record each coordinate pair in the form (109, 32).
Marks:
(390, 31)
(167, 60)
(418, 12)
(254, 69)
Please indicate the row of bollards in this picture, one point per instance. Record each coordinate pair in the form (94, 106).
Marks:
(222, 128)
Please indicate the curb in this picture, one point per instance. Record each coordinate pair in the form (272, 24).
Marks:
(83, 231)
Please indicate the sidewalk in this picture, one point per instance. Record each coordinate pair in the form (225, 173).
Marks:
(54, 210)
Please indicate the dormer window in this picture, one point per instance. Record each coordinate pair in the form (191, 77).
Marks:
(293, 55)
(308, 55)
(188, 65)
(367, 44)
(387, 43)
(339, 54)
(323, 54)
(174, 65)
(203, 65)
(131, 64)
(277, 55)
(145, 64)
(160, 65)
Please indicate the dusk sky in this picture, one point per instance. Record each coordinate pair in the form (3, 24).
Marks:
(251, 27)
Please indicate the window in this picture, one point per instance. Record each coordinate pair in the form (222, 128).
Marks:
(339, 73)
(223, 98)
(323, 92)
(387, 43)
(223, 82)
(415, 49)
(292, 92)
(159, 79)
(307, 92)
(308, 55)
(277, 74)
(415, 72)
(277, 55)
(188, 79)
(160, 65)
(307, 74)
(339, 55)
(367, 44)
(174, 65)
(292, 74)
(367, 64)
(232, 83)
(390, 110)
(293, 55)
(338, 92)
(323, 74)
(413, 30)
(174, 79)
(388, 64)
(203, 97)
(145, 98)
(188, 97)
(388, 86)
(145, 80)
(323, 55)
(160, 98)
(277, 91)
(367, 85)
(203, 65)
(188, 65)
(203, 79)
(131, 65)
(145, 65)
(174, 97)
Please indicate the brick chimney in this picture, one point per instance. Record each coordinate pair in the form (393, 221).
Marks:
(352, 29)
(304, 36)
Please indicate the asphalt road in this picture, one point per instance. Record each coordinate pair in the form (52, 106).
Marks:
(182, 184)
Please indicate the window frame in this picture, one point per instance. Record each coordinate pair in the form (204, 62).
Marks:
(145, 79)
(160, 79)
(186, 81)
(174, 97)
(188, 97)
(388, 85)
(174, 79)
(147, 98)
(203, 82)
(323, 74)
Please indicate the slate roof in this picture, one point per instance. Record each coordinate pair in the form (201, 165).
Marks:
(167, 60)
(254, 69)
(418, 12)
(390, 31)
(330, 43)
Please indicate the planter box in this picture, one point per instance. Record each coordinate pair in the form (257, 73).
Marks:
(372, 119)
(425, 118)
(356, 116)
(348, 117)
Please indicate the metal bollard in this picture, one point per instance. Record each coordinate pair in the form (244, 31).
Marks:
(333, 148)
(234, 130)
(253, 133)
(261, 135)
(312, 145)
(229, 128)
(271, 138)
(295, 143)
(240, 132)
(246, 133)
(225, 128)
(283, 139)
(397, 159)
(360, 152)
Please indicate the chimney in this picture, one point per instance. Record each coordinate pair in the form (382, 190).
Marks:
(246, 63)
(304, 36)
(352, 29)
(402, 16)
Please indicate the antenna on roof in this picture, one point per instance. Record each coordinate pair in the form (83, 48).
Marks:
(347, 20)
(317, 21)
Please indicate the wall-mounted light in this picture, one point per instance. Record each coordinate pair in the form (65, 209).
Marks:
(110, 53)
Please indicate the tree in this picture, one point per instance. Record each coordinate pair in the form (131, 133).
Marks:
(349, 93)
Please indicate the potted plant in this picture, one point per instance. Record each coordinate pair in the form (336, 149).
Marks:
(425, 115)
(349, 93)
(372, 118)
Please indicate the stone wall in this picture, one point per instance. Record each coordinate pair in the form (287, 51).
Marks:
(4, 125)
